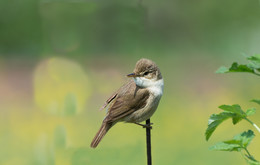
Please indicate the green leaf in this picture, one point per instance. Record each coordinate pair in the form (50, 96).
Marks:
(245, 138)
(252, 67)
(256, 101)
(215, 120)
(239, 142)
(240, 68)
(235, 67)
(233, 108)
(230, 111)
(222, 69)
(236, 119)
(223, 146)
(250, 111)
(233, 142)
(255, 61)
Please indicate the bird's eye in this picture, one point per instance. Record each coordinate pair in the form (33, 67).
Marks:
(146, 73)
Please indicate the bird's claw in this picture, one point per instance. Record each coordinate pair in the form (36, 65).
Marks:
(146, 125)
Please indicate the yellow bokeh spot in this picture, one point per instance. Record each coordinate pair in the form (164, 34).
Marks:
(61, 87)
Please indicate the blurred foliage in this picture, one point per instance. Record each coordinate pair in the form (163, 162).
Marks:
(60, 87)
(75, 27)
(61, 59)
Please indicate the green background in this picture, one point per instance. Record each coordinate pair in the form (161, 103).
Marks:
(61, 59)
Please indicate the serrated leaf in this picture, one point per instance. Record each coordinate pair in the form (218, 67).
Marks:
(245, 138)
(215, 120)
(230, 111)
(250, 111)
(239, 142)
(233, 108)
(256, 101)
(223, 146)
(222, 69)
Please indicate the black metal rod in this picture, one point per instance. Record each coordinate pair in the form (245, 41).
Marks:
(148, 143)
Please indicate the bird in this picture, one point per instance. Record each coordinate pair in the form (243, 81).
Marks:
(135, 101)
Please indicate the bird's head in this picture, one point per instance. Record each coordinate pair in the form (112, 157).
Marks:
(145, 73)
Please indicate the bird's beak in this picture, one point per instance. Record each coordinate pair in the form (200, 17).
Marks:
(132, 75)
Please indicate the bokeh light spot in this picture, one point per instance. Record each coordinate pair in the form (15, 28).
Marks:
(61, 87)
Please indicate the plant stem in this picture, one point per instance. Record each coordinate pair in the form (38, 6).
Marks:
(148, 143)
(258, 129)
(247, 152)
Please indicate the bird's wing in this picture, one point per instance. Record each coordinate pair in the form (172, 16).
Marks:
(111, 98)
(128, 99)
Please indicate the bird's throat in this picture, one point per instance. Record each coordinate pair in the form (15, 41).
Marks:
(150, 84)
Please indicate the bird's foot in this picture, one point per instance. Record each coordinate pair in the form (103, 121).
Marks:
(146, 125)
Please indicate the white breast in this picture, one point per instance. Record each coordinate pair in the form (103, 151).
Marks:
(156, 87)
(156, 90)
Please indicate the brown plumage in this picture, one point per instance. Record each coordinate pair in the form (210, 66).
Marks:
(130, 103)
(128, 99)
(100, 134)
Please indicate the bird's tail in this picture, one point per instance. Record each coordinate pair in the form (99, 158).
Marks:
(100, 134)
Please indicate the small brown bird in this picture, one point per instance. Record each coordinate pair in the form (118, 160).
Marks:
(134, 102)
